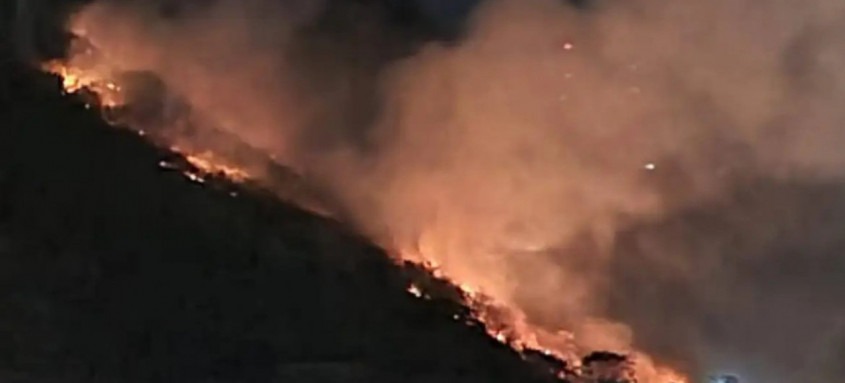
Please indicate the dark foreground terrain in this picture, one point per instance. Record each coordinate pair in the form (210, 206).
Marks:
(115, 270)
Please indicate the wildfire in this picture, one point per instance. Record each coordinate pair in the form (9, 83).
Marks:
(505, 323)
(208, 163)
(501, 322)
(74, 80)
(108, 94)
(510, 326)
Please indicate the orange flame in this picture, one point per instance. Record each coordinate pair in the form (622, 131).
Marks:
(502, 322)
(209, 163)
(74, 80)
(510, 326)
(109, 95)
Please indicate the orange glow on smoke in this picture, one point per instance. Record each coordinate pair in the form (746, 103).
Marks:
(502, 321)
(509, 326)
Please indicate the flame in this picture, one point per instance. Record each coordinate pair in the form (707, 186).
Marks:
(75, 79)
(510, 326)
(208, 163)
(108, 94)
(503, 322)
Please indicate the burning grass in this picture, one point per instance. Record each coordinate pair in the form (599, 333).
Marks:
(505, 323)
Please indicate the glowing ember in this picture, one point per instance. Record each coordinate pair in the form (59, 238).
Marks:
(194, 177)
(208, 163)
(415, 291)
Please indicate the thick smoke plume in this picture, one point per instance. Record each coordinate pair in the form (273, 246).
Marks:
(626, 175)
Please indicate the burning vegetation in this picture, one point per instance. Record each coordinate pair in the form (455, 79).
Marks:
(143, 103)
(139, 102)
(76, 80)
(557, 351)
(101, 87)
(584, 178)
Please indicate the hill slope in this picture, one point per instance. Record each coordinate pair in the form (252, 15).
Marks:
(113, 269)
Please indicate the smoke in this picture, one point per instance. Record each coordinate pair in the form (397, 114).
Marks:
(516, 160)
(31, 28)
(643, 174)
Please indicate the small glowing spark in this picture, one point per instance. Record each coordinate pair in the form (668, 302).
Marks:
(166, 165)
(650, 166)
(415, 291)
(194, 177)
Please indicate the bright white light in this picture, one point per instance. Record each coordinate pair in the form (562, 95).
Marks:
(724, 379)
(651, 166)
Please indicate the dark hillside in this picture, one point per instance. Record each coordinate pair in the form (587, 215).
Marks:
(115, 270)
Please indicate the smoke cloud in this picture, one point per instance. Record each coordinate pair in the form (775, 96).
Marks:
(644, 175)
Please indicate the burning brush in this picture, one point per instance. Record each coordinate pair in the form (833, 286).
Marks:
(88, 75)
(510, 327)
(139, 101)
(142, 103)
